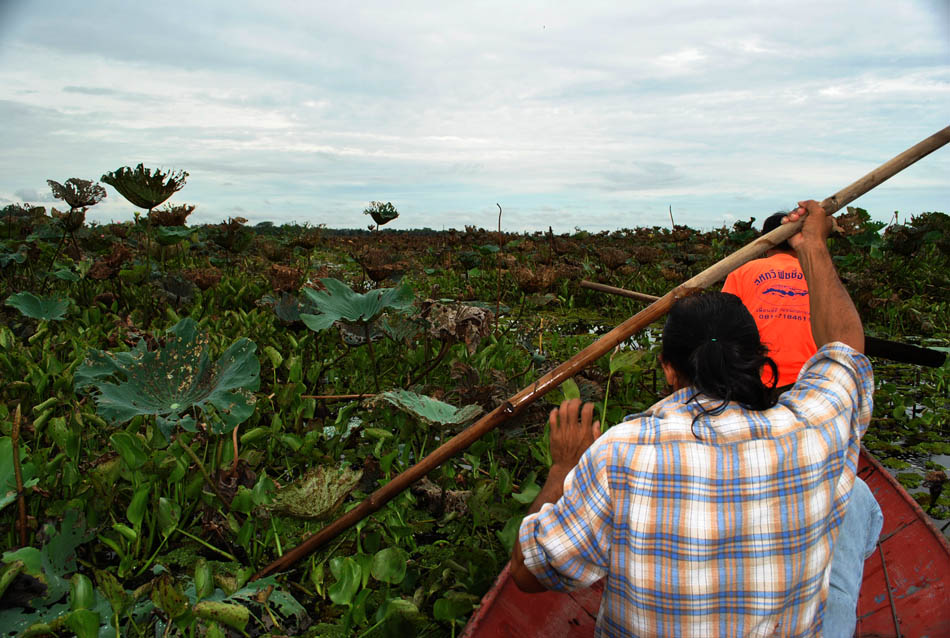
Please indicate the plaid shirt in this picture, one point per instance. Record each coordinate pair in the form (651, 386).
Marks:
(719, 526)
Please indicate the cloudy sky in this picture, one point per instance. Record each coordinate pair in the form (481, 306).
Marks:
(598, 115)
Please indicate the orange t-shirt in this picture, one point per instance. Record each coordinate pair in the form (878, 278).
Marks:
(775, 292)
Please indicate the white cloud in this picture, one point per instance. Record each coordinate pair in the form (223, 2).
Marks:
(311, 110)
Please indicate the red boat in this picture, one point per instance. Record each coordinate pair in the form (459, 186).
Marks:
(904, 594)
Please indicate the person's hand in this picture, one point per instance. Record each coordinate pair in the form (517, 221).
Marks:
(573, 430)
(816, 227)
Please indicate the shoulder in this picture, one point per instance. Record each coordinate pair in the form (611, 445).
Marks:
(837, 373)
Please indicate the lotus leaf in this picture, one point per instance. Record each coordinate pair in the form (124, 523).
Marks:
(144, 187)
(78, 193)
(42, 308)
(338, 302)
(171, 235)
(18, 257)
(381, 213)
(428, 409)
(317, 494)
(170, 381)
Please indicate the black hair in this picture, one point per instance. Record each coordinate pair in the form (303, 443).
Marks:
(772, 222)
(713, 344)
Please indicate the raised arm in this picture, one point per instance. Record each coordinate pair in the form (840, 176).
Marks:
(833, 315)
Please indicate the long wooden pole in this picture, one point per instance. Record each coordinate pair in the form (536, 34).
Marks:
(591, 353)
(873, 347)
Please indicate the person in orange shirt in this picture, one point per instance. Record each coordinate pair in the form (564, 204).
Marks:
(774, 290)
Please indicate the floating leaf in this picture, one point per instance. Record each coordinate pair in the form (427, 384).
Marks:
(317, 494)
(42, 308)
(428, 409)
(173, 380)
(338, 302)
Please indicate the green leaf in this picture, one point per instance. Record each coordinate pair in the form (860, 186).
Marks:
(42, 308)
(529, 490)
(428, 409)
(8, 489)
(570, 389)
(389, 565)
(129, 448)
(113, 591)
(316, 494)
(8, 574)
(64, 436)
(626, 361)
(169, 513)
(84, 623)
(171, 381)
(171, 235)
(168, 597)
(509, 533)
(381, 213)
(339, 302)
(65, 274)
(229, 614)
(145, 187)
(136, 510)
(450, 608)
(347, 573)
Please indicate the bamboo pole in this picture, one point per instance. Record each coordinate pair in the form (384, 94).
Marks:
(591, 353)
(873, 347)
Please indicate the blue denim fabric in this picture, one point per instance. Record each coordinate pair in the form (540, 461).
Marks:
(857, 539)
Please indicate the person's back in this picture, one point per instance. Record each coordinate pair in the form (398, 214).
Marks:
(775, 292)
(716, 512)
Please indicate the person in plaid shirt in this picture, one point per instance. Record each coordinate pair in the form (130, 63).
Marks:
(716, 512)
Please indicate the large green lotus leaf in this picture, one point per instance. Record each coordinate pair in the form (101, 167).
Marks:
(171, 235)
(316, 494)
(169, 381)
(338, 301)
(43, 308)
(144, 187)
(7, 476)
(428, 409)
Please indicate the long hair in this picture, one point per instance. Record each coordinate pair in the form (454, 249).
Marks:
(712, 342)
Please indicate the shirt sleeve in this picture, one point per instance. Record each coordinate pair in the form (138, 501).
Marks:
(836, 382)
(566, 545)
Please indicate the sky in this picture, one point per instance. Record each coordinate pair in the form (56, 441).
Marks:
(592, 115)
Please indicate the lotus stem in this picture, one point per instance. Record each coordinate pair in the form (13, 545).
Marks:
(20, 494)
(234, 437)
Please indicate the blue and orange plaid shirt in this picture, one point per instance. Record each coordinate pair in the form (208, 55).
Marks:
(712, 524)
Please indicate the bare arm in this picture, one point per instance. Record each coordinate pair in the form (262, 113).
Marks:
(570, 438)
(833, 315)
